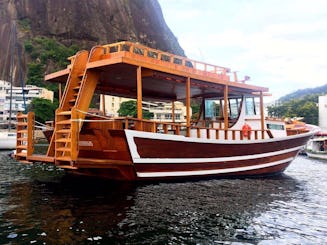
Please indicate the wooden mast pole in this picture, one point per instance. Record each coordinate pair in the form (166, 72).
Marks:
(262, 116)
(173, 111)
(139, 93)
(226, 111)
(188, 106)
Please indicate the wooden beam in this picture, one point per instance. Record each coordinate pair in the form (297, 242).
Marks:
(226, 110)
(103, 98)
(262, 116)
(139, 92)
(188, 106)
(59, 91)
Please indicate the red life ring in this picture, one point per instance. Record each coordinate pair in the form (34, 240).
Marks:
(246, 130)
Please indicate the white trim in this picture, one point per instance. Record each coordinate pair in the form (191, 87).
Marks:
(130, 134)
(213, 159)
(149, 135)
(210, 172)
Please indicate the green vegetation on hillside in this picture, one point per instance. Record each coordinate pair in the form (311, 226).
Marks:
(129, 108)
(42, 52)
(44, 109)
(305, 107)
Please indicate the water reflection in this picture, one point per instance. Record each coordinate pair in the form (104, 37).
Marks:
(69, 211)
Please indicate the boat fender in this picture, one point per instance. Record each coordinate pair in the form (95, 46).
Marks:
(246, 130)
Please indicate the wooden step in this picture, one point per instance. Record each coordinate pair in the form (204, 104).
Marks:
(63, 149)
(24, 131)
(23, 116)
(64, 113)
(63, 140)
(63, 131)
(24, 147)
(64, 159)
(21, 154)
(64, 122)
(22, 139)
(20, 124)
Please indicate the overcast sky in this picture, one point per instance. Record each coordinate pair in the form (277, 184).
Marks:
(280, 44)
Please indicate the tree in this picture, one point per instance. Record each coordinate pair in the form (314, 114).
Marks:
(44, 109)
(305, 107)
(129, 108)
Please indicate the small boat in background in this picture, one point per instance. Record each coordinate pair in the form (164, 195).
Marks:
(317, 146)
(7, 140)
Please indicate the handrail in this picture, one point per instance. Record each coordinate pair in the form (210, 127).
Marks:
(159, 55)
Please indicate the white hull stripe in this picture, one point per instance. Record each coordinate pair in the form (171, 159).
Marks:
(210, 172)
(214, 159)
(130, 134)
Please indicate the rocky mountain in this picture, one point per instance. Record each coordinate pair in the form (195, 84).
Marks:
(83, 23)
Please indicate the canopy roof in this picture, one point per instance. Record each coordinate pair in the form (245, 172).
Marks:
(164, 75)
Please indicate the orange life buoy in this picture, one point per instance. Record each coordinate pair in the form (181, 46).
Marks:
(246, 130)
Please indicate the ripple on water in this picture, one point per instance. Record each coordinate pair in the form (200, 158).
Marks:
(40, 205)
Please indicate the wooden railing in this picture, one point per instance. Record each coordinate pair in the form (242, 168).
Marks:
(209, 132)
(160, 56)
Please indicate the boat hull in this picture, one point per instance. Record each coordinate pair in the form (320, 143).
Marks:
(158, 156)
(322, 156)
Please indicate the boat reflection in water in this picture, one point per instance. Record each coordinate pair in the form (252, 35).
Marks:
(72, 210)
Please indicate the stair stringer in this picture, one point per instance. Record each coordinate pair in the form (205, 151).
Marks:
(74, 79)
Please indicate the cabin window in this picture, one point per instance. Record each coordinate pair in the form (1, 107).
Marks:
(212, 109)
(250, 108)
(234, 107)
(275, 126)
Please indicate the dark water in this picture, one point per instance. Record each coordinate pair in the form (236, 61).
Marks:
(39, 205)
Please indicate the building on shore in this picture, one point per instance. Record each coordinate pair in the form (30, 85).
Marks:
(161, 111)
(17, 99)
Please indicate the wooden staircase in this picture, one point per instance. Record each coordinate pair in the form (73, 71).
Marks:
(69, 116)
(25, 141)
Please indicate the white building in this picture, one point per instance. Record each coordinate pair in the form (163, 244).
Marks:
(18, 95)
(322, 104)
(162, 111)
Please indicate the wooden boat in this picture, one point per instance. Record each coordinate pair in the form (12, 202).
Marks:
(124, 148)
(317, 146)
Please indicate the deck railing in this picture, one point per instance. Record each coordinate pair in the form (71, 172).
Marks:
(209, 132)
(179, 62)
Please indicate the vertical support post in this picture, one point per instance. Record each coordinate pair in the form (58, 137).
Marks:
(173, 111)
(139, 93)
(59, 91)
(262, 116)
(103, 98)
(226, 111)
(235, 76)
(188, 106)
(74, 134)
(30, 133)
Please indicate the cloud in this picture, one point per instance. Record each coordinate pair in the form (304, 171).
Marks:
(280, 44)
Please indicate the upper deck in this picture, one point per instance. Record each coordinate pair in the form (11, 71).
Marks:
(163, 74)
